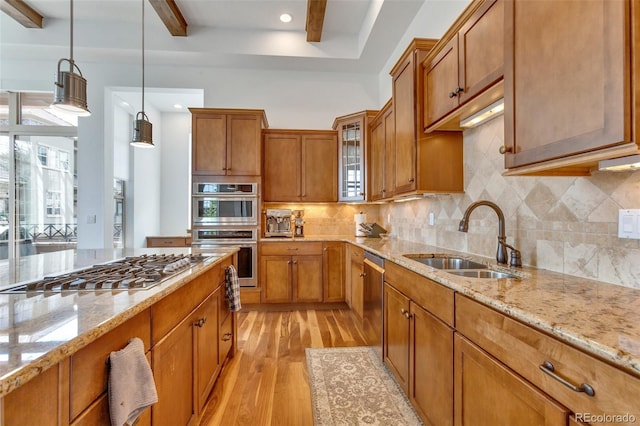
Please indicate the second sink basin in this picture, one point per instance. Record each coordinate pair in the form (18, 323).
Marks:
(443, 262)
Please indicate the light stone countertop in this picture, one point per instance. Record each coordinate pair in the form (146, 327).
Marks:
(38, 331)
(600, 318)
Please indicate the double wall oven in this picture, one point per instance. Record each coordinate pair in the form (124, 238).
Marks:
(225, 214)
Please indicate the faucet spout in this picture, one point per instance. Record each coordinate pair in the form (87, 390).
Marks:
(501, 255)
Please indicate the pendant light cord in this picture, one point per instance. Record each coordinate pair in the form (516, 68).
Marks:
(142, 58)
(71, 34)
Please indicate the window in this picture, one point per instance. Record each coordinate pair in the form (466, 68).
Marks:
(54, 203)
(43, 154)
(63, 160)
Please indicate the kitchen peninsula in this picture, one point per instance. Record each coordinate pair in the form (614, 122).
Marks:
(58, 342)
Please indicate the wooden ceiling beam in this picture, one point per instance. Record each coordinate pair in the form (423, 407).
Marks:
(171, 16)
(315, 19)
(22, 12)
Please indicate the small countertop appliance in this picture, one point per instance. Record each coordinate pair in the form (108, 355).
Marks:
(278, 223)
(299, 223)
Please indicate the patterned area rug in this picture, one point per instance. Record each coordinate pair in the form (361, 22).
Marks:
(351, 386)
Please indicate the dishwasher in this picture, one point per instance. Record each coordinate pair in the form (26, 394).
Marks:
(373, 274)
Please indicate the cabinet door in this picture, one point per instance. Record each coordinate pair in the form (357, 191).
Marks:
(319, 168)
(334, 271)
(405, 132)
(396, 335)
(351, 171)
(243, 145)
(441, 83)
(489, 394)
(566, 72)
(357, 295)
(209, 151)
(377, 160)
(307, 278)
(275, 278)
(206, 340)
(481, 55)
(173, 370)
(282, 167)
(431, 365)
(390, 163)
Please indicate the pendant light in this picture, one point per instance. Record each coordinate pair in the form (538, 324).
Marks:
(71, 88)
(142, 128)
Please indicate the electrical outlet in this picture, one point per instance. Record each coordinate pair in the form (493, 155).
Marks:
(629, 224)
(432, 219)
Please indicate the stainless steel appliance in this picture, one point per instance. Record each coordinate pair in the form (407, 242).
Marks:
(373, 271)
(278, 223)
(225, 203)
(130, 273)
(299, 223)
(246, 238)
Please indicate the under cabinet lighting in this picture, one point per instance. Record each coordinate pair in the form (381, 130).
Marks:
(485, 114)
(621, 164)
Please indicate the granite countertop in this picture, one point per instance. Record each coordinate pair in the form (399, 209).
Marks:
(600, 318)
(38, 331)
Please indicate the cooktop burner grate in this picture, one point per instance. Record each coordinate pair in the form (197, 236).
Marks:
(130, 273)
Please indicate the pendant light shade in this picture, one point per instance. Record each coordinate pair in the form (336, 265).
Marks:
(71, 88)
(142, 128)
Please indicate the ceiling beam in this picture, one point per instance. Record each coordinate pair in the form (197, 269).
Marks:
(315, 19)
(170, 14)
(22, 12)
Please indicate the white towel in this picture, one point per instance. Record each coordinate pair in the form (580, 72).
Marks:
(232, 288)
(131, 385)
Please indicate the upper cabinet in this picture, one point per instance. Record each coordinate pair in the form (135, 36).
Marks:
(381, 170)
(353, 140)
(226, 142)
(300, 166)
(467, 61)
(570, 94)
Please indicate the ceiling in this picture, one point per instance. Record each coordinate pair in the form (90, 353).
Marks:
(357, 35)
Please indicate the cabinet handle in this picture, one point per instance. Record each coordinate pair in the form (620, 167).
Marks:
(406, 313)
(547, 368)
(227, 337)
(452, 94)
(295, 262)
(289, 262)
(200, 322)
(411, 180)
(362, 274)
(292, 248)
(504, 149)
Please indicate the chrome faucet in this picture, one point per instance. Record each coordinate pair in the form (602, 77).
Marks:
(501, 255)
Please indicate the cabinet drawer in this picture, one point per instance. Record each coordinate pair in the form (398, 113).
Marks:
(432, 296)
(525, 349)
(169, 311)
(290, 248)
(167, 242)
(226, 338)
(88, 371)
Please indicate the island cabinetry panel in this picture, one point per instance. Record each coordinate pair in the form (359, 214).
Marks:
(545, 361)
(300, 165)
(565, 112)
(467, 62)
(418, 341)
(226, 142)
(291, 272)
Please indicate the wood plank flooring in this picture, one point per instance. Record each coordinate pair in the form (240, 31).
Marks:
(266, 383)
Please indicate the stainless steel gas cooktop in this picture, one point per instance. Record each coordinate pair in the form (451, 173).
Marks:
(130, 273)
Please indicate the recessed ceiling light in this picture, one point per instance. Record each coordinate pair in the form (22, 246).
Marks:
(286, 18)
(177, 106)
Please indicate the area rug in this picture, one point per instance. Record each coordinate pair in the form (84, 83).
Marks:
(351, 386)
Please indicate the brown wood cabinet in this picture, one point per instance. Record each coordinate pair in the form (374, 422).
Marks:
(422, 163)
(357, 282)
(570, 105)
(300, 165)
(291, 272)
(418, 341)
(353, 148)
(226, 142)
(489, 394)
(333, 264)
(381, 173)
(467, 61)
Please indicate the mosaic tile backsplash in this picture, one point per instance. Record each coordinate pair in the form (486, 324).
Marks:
(562, 224)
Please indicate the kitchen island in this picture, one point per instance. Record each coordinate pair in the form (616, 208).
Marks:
(43, 331)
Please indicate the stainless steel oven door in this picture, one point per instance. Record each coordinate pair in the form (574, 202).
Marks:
(224, 210)
(225, 189)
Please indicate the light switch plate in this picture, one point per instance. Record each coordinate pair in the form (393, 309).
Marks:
(629, 224)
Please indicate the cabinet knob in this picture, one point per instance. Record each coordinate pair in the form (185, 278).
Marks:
(452, 94)
(456, 92)
(227, 337)
(406, 313)
(504, 149)
(200, 322)
(362, 274)
(411, 180)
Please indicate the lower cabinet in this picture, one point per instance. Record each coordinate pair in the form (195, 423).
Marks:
(489, 394)
(333, 264)
(291, 272)
(356, 282)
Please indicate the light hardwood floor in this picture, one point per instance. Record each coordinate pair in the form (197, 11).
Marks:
(266, 383)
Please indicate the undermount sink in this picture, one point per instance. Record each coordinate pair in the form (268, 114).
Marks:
(444, 262)
(482, 273)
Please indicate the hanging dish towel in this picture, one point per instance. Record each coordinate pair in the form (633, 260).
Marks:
(232, 288)
(131, 385)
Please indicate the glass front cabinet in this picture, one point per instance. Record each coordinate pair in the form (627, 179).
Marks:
(353, 134)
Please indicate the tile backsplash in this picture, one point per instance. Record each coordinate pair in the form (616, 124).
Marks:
(563, 224)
